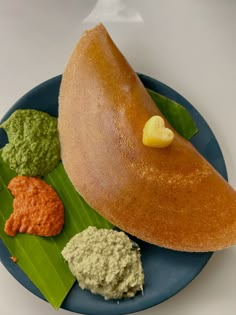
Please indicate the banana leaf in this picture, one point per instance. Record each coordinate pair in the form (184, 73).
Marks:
(40, 257)
(176, 114)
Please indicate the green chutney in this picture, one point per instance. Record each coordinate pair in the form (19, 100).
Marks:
(34, 147)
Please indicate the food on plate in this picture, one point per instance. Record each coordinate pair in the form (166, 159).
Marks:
(37, 209)
(172, 197)
(33, 148)
(155, 134)
(106, 262)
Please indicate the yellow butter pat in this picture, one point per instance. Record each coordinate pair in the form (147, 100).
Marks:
(155, 134)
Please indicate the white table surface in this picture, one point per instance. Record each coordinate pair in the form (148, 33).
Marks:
(189, 45)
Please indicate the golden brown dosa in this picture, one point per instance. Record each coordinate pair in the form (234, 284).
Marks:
(170, 197)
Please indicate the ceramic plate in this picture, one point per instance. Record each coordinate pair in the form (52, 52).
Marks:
(166, 271)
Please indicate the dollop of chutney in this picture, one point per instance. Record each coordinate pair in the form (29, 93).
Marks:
(106, 262)
(34, 147)
(38, 209)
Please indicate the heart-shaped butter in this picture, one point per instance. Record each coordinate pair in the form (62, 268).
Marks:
(155, 134)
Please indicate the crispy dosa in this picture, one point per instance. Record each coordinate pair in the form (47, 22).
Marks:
(169, 197)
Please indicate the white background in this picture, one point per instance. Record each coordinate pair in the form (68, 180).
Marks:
(188, 44)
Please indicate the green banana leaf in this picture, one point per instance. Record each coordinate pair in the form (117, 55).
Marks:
(39, 257)
(176, 114)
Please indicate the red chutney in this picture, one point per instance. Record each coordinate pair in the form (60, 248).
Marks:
(37, 209)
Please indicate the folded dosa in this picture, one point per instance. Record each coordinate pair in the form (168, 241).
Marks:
(169, 197)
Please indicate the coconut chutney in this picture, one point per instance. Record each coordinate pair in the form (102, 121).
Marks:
(106, 262)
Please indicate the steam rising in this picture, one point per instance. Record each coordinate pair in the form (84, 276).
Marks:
(113, 11)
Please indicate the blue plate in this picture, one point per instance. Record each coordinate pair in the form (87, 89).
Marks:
(166, 271)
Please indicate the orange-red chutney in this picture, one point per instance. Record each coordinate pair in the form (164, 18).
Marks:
(37, 209)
